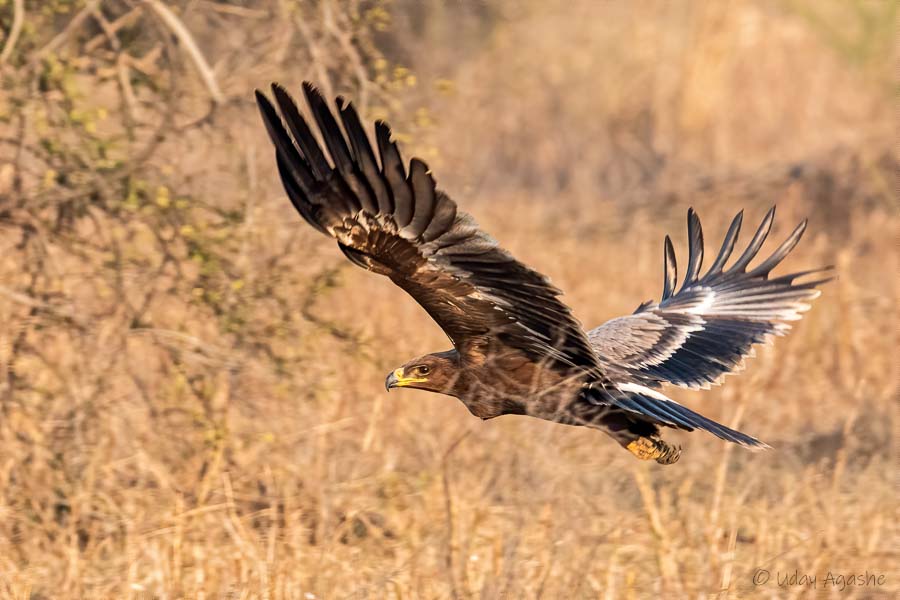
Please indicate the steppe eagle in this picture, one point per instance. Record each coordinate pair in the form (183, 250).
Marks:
(517, 349)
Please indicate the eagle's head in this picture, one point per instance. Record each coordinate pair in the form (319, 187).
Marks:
(438, 372)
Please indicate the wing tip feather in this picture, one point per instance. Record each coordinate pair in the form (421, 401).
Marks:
(670, 269)
(755, 446)
(695, 249)
(310, 88)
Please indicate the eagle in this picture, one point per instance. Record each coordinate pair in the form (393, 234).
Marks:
(516, 347)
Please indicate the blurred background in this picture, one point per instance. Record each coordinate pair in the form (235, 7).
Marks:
(191, 400)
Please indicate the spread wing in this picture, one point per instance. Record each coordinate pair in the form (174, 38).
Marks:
(397, 224)
(694, 337)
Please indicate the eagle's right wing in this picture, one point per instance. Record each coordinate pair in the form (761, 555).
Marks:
(399, 225)
(696, 336)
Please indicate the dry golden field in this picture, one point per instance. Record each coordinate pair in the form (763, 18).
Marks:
(191, 379)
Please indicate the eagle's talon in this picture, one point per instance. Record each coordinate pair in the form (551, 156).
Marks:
(651, 448)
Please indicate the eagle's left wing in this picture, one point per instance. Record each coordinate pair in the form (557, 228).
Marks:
(400, 226)
(696, 336)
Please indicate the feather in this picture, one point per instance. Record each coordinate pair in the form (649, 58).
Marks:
(331, 133)
(770, 263)
(296, 195)
(395, 175)
(423, 194)
(665, 411)
(444, 216)
(727, 247)
(302, 134)
(365, 158)
(670, 269)
(347, 172)
(695, 249)
(755, 244)
(298, 169)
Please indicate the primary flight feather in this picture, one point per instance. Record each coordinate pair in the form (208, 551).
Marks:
(517, 348)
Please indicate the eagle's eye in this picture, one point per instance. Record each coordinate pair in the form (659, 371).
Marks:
(422, 369)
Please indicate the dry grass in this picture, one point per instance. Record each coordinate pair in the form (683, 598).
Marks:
(191, 402)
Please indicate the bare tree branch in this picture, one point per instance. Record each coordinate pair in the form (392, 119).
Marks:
(184, 36)
(14, 31)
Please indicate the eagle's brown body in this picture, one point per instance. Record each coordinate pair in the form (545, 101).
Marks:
(517, 349)
(511, 384)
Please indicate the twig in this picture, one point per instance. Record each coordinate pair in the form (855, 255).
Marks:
(63, 35)
(111, 29)
(721, 476)
(106, 26)
(321, 282)
(203, 351)
(315, 54)
(14, 31)
(345, 40)
(147, 63)
(448, 508)
(668, 566)
(128, 97)
(39, 305)
(124, 63)
(237, 11)
(184, 36)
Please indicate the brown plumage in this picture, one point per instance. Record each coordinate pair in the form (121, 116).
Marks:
(517, 349)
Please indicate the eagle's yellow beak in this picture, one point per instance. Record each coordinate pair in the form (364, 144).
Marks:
(396, 379)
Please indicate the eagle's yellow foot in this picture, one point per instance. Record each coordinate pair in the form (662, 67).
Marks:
(647, 448)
